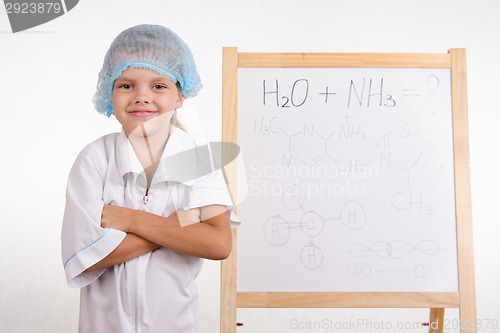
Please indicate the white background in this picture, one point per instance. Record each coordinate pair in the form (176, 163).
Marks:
(48, 76)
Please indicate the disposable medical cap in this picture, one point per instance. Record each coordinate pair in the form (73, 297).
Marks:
(147, 46)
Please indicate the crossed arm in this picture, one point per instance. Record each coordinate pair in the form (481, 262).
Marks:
(207, 237)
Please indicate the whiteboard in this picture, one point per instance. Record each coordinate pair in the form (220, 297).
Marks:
(350, 180)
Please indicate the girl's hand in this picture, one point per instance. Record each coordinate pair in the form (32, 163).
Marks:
(119, 218)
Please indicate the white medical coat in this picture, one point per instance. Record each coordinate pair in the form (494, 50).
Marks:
(155, 292)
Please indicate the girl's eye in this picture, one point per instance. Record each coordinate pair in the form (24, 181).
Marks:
(158, 86)
(126, 86)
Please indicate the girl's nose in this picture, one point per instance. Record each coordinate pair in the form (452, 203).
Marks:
(142, 96)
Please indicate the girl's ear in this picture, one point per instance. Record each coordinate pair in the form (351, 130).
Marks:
(180, 99)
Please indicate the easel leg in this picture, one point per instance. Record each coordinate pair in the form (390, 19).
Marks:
(228, 291)
(437, 319)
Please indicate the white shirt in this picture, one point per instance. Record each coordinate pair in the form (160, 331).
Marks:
(155, 292)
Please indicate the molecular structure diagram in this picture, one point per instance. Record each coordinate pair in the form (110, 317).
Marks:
(277, 229)
(398, 141)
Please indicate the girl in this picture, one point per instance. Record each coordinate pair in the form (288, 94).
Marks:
(134, 232)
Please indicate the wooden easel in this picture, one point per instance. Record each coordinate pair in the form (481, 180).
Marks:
(464, 299)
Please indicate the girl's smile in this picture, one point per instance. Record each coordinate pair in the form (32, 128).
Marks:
(142, 113)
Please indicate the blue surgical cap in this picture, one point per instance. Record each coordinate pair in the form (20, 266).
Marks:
(147, 46)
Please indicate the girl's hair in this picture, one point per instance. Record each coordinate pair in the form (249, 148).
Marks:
(147, 46)
(174, 121)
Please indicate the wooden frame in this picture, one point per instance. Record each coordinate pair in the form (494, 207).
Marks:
(464, 299)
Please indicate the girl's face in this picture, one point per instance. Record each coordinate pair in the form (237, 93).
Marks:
(144, 101)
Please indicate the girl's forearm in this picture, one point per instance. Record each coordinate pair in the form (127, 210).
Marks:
(131, 247)
(210, 239)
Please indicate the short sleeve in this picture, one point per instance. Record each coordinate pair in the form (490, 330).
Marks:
(84, 242)
(207, 190)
